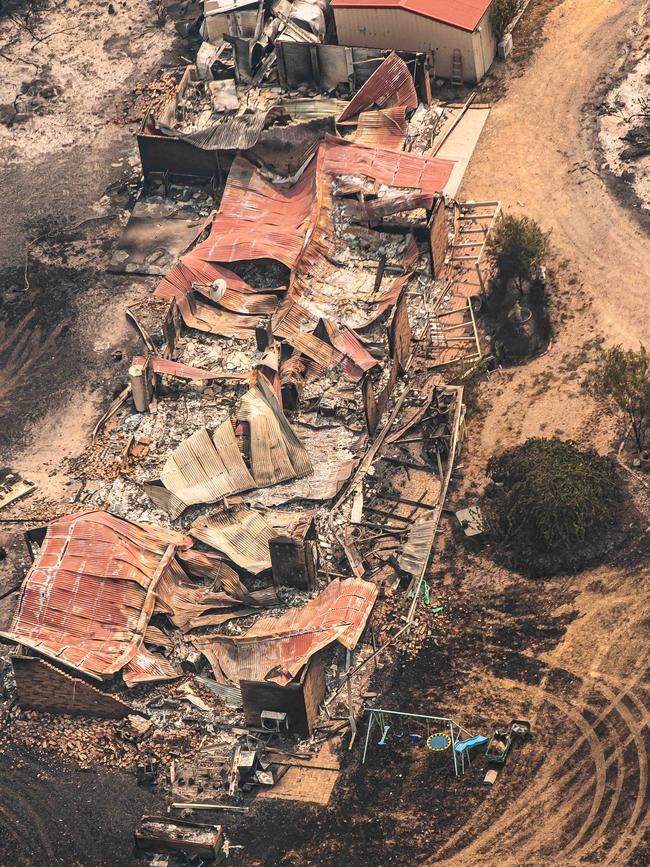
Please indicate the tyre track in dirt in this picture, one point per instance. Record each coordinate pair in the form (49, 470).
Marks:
(533, 805)
(22, 820)
(542, 780)
(641, 801)
(609, 813)
(571, 802)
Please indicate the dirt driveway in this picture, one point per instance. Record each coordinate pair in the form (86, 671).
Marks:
(529, 156)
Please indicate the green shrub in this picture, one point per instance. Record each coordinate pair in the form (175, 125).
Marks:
(623, 375)
(550, 505)
(517, 248)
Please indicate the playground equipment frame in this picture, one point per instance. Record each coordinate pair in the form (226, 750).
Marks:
(377, 714)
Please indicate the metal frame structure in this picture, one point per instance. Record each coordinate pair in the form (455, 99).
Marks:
(377, 715)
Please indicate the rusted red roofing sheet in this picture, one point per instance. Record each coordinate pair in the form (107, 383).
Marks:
(386, 129)
(88, 597)
(395, 169)
(276, 648)
(185, 371)
(294, 224)
(148, 667)
(391, 84)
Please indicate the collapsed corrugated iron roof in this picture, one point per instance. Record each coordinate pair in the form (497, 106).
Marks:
(87, 599)
(190, 606)
(376, 114)
(298, 223)
(238, 132)
(204, 468)
(243, 534)
(276, 648)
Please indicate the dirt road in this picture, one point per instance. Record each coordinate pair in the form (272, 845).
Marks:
(534, 142)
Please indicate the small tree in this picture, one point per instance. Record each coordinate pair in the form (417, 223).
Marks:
(550, 505)
(517, 247)
(503, 12)
(623, 375)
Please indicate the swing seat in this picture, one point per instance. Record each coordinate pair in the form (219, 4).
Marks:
(382, 742)
(416, 739)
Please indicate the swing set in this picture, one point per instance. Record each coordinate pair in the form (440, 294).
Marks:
(442, 733)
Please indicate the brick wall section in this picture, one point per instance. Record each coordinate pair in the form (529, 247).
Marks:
(41, 686)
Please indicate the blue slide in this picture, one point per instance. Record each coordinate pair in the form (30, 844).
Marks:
(476, 741)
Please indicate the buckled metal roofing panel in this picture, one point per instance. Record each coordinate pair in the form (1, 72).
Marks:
(276, 648)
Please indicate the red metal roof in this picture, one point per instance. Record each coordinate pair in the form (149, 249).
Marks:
(464, 14)
(297, 223)
(276, 648)
(90, 593)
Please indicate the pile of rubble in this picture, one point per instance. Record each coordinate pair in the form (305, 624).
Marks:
(255, 515)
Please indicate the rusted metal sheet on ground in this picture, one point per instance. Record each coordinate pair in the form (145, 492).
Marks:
(148, 667)
(370, 408)
(415, 551)
(87, 600)
(166, 367)
(386, 129)
(204, 468)
(399, 334)
(276, 648)
(276, 453)
(390, 84)
(242, 534)
(438, 237)
(332, 450)
(384, 395)
(190, 605)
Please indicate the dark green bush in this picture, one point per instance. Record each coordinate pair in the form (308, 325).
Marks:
(551, 505)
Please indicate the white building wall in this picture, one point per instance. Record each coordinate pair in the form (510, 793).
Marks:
(406, 31)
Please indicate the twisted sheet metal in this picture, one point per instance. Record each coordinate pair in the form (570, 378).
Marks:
(241, 534)
(276, 648)
(391, 84)
(189, 604)
(331, 451)
(295, 224)
(148, 667)
(276, 453)
(87, 599)
(204, 469)
(238, 132)
(386, 129)
(166, 367)
(291, 323)
(358, 360)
